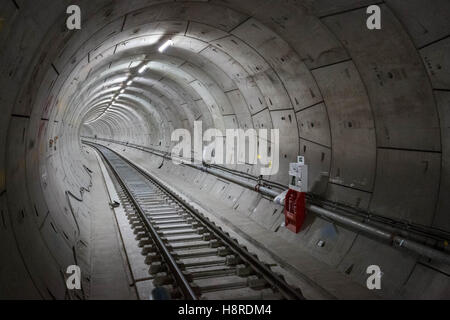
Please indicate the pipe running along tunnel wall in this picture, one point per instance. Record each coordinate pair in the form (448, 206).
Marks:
(369, 109)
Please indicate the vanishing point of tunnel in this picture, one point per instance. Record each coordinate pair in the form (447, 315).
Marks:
(224, 149)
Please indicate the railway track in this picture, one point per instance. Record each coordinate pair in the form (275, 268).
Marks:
(188, 255)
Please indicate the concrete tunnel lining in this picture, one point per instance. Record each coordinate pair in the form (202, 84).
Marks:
(370, 109)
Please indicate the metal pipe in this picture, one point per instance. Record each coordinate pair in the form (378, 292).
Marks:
(387, 236)
(384, 235)
(244, 183)
(421, 249)
(394, 240)
(360, 226)
(288, 291)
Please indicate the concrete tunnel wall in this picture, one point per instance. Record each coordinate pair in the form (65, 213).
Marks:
(370, 108)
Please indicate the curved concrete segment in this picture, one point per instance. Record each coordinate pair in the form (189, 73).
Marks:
(368, 109)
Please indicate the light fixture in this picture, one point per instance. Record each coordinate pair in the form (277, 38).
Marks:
(143, 68)
(122, 91)
(129, 82)
(165, 46)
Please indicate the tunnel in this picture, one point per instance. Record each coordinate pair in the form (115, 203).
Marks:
(366, 109)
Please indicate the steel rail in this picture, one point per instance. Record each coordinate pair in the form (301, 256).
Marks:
(273, 279)
(263, 186)
(168, 258)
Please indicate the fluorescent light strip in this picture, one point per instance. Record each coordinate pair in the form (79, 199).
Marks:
(129, 82)
(142, 69)
(167, 44)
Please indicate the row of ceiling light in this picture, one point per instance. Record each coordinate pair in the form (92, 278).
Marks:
(141, 70)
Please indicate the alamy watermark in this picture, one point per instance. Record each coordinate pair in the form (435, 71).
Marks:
(374, 20)
(73, 281)
(236, 146)
(73, 22)
(374, 280)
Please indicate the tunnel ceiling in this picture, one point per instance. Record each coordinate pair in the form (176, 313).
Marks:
(257, 66)
(368, 109)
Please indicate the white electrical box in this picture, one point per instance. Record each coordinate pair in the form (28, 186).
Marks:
(298, 174)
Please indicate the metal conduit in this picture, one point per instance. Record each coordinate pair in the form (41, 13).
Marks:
(392, 238)
(386, 236)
